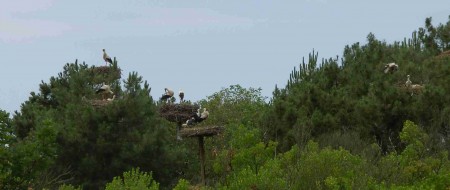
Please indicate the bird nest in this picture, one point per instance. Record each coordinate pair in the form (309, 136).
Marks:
(99, 103)
(178, 112)
(105, 73)
(444, 54)
(201, 131)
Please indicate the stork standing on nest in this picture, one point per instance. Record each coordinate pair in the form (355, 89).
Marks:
(390, 68)
(413, 88)
(167, 95)
(106, 57)
(408, 82)
(181, 94)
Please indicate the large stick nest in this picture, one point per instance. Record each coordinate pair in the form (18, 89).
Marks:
(105, 73)
(201, 131)
(179, 113)
(99, 103)
(443, 55)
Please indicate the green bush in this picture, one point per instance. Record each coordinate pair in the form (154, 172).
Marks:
(182, 185)
(68, 187)
(133, 180)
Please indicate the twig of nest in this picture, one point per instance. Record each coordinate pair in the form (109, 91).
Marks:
(178, 112)
(97, 103)
(112, 73)
(201, 131)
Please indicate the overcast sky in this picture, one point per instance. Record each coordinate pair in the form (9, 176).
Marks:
(199, 46)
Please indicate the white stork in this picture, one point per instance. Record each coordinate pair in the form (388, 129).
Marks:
(106, 57)
(181, 94)
(105, 89)
(197, 118)
(204, 115)
(408, 81)
(390, 68)
(167, 95)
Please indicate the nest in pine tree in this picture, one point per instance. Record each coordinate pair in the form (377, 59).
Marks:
(179, 113)
(201, 131)
(99, 103)
(401, 85)
(105, 73)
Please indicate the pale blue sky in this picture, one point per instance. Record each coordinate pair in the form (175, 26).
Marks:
(199, 46)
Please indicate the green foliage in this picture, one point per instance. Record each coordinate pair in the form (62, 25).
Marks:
(6, 138)
(31, 159)
(320, 168)
(339, 123)
(415, 164)
(133, 180)
(267, 178)
(354, 95)
(182, 185)
(244, 151)
(69, 187)
(235, 105)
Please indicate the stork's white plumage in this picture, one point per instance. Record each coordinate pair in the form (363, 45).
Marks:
(106, 57)
(205, 114)
(111, 99)
(390, 68)
(198, 112)
(168, 94)
(105, 89)
(197, 118)
(181, 95)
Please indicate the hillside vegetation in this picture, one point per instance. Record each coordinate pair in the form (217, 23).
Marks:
(339, 123)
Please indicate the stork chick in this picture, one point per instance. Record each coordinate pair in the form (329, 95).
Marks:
(106, 57)
(408, 81)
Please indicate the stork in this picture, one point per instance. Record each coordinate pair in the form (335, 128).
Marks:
(167, 95)
(181, 94)
(106, 57)
(390, 68)
(408, 82)
(105, 89)
(204, 115)
(197, 118)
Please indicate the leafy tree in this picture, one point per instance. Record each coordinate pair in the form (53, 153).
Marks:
(235, 105)
(133, 180)
(182, 185)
